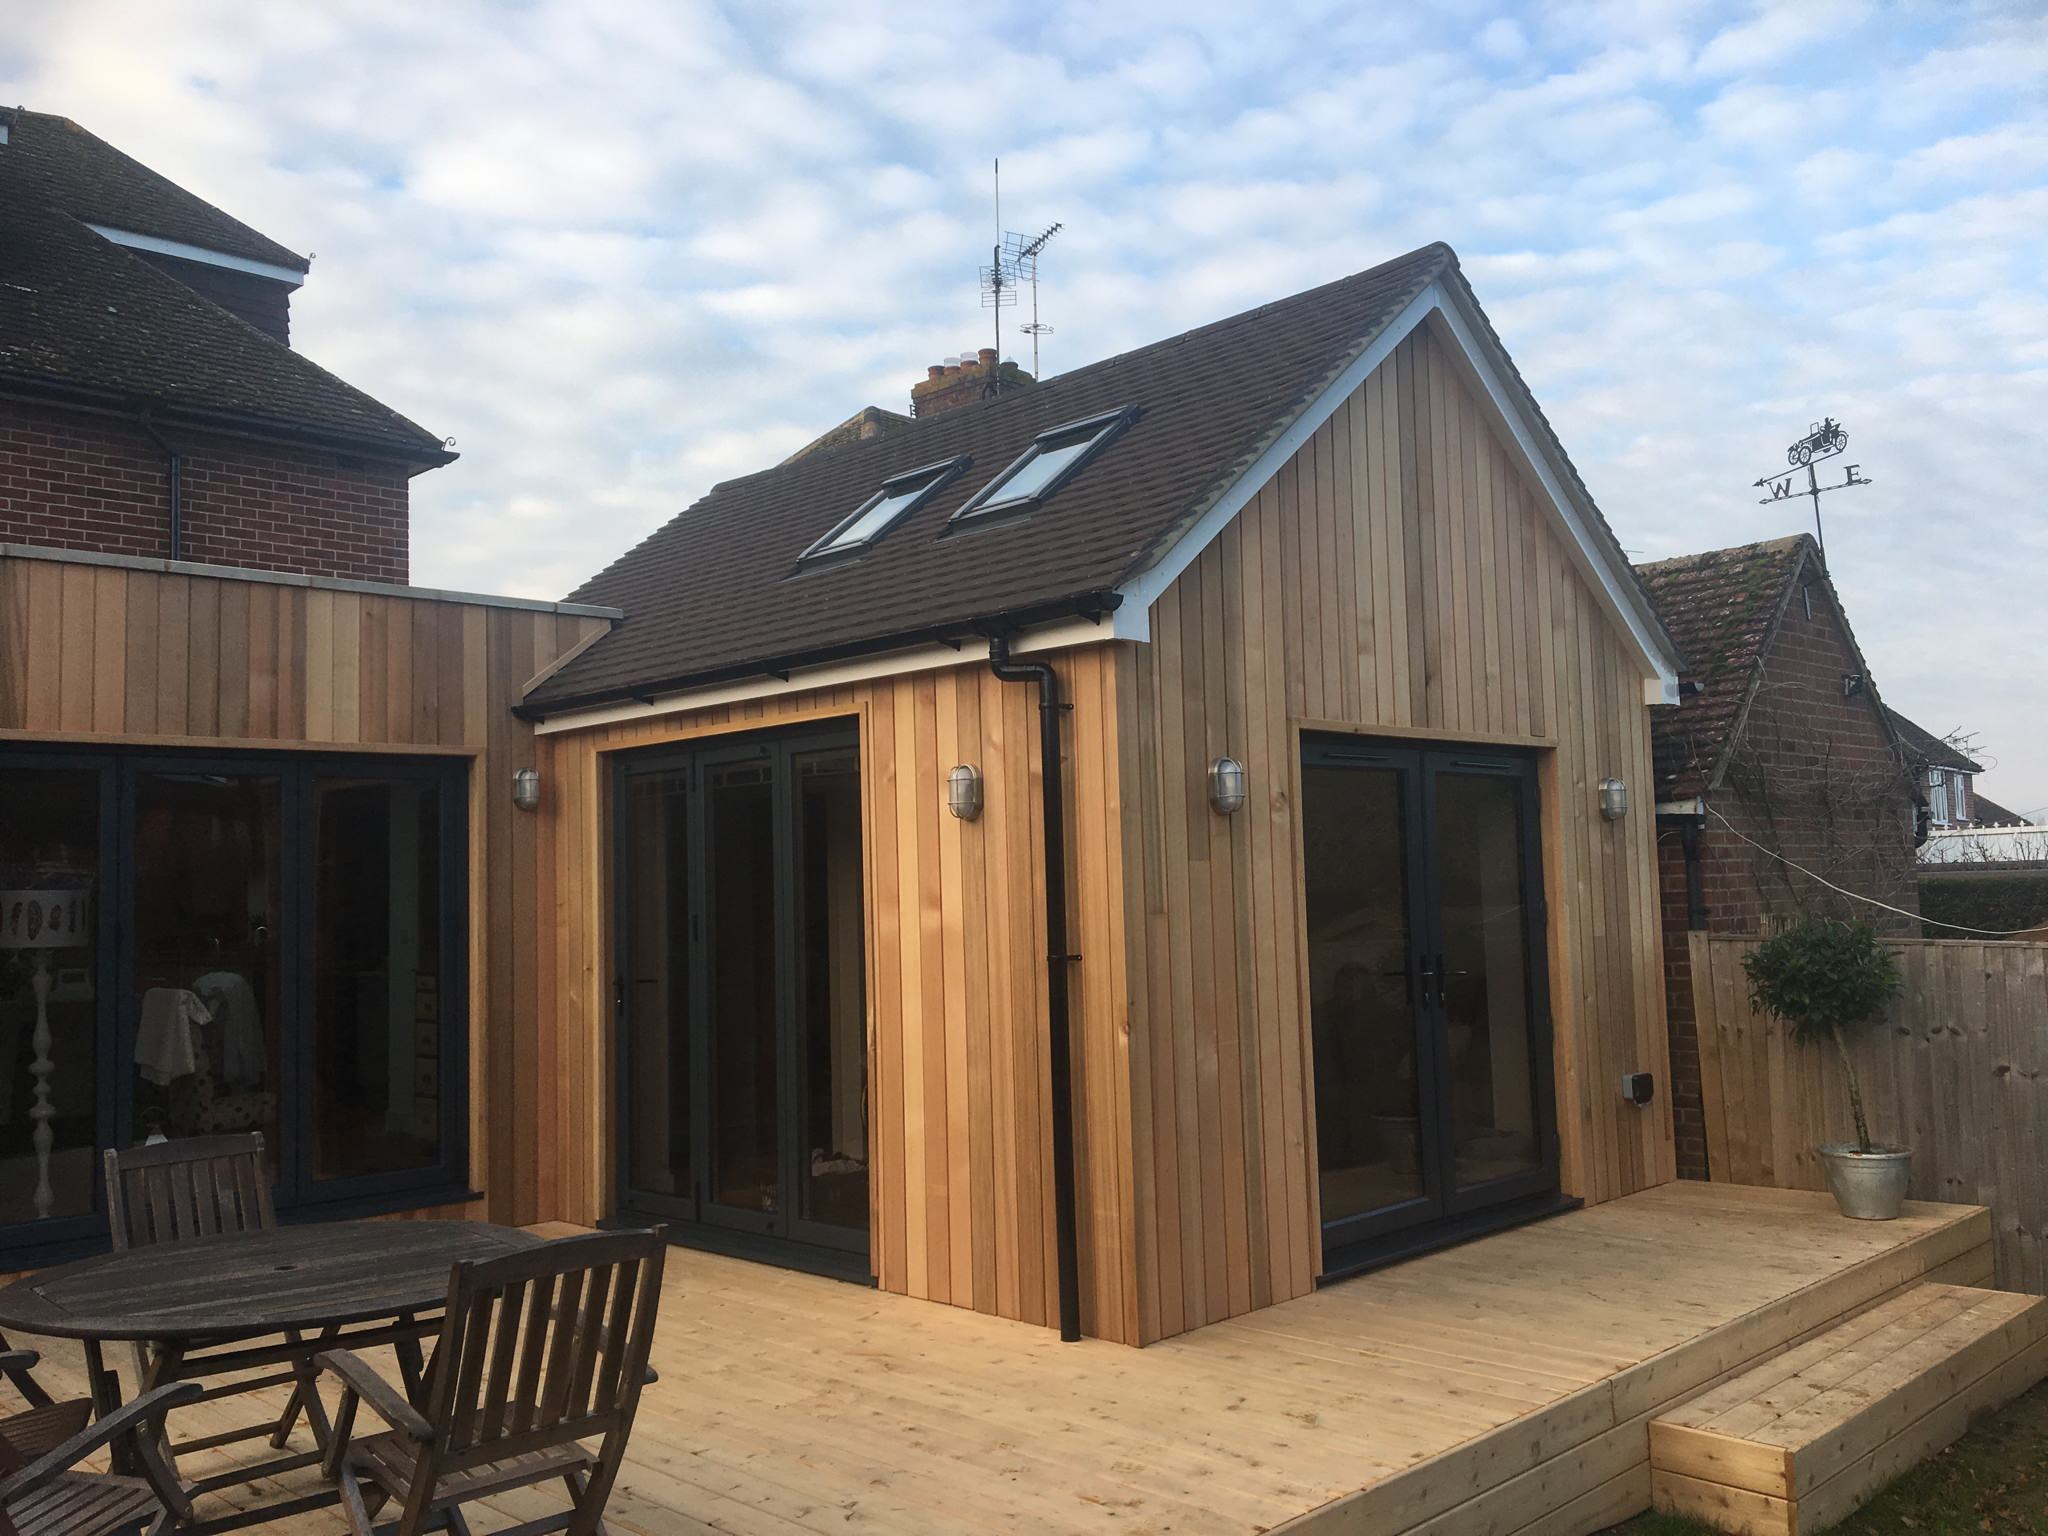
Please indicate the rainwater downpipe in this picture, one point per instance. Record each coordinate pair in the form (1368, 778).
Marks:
(174, 466)
(1058, 960)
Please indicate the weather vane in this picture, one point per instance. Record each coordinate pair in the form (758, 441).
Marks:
(1825, 439)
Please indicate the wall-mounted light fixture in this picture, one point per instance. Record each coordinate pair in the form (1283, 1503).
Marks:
(963, 792)
(1226, 786)
(1613, 799)
(526, 789)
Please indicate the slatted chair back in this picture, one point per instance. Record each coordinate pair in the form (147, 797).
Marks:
(198, 1186)
(545, 1347)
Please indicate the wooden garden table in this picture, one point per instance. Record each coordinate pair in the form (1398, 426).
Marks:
(195, 1304)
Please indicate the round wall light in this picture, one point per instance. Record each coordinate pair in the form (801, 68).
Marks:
(963, 792)
(526, 789)
(1226, 786)
(1613, 799)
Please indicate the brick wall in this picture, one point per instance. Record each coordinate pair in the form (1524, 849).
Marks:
(1812, 776)
(77, 480)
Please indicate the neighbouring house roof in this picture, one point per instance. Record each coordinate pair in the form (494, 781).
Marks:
(1721, 608)
(718, 593)
(85, 321)
(63, 166)
(869, 421)
(1989, 813)
(1928, 749)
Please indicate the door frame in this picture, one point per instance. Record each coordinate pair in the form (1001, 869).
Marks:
(1442, 1213)
(785, 1237)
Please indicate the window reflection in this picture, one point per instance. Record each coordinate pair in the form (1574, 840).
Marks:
(49, 868)
(377, 981)
(208, 931)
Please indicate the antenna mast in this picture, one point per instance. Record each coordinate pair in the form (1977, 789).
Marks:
(998, 278)
(1013, 261)
(1022, 254)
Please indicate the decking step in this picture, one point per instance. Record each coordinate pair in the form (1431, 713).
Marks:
(1796, 1443)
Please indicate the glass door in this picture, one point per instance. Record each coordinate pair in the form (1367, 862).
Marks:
(1427, 1000)
(741, 994)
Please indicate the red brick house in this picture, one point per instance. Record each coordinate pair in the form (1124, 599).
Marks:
(263, 782)
(150, 401)
(1780, 754)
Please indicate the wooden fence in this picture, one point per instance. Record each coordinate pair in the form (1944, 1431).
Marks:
(1959, 1073)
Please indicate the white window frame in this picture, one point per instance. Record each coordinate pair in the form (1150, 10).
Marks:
(937, 476)
(1100, 429)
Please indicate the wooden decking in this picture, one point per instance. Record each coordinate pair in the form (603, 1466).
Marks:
(1502, 1387)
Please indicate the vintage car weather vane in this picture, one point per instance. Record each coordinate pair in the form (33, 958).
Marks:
(1825, 439)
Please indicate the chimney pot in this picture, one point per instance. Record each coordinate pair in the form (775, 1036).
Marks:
(936, 371)
(987, 356)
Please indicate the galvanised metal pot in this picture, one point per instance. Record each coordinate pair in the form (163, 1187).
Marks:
(1870, 1186)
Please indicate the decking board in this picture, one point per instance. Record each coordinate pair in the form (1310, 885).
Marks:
(1502, 1388)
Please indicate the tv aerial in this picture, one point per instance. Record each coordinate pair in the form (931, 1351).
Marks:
(1013, 264)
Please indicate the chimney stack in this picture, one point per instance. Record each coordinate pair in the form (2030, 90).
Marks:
(964, 380)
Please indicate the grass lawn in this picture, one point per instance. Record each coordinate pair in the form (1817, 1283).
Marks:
(1994, 1479)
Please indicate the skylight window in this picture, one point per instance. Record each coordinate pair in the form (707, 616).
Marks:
(1051, 460)
(899, 496)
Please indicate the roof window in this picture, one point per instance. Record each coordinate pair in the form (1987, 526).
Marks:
(1053, 458)
(899, 496)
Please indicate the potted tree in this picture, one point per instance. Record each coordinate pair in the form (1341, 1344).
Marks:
(1824, 979)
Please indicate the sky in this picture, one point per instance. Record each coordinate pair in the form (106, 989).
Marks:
(620, 250)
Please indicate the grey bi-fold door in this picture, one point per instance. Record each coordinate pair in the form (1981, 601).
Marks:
(741, 996)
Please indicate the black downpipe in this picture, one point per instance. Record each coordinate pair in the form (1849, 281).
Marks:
(1066, 1233)
(1695, 888)
(174, 466)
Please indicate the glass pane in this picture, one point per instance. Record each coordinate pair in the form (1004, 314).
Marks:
(1486, 986)
(1368, 1123)
(377, 979)
(741, 911)
(878, 517)
(834, 1176)
(658, 985)
(207, 965)
(49, 867)
(1042, 468)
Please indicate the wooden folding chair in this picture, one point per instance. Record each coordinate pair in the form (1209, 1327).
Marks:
(44, 1494)
(540, 1352)
(205, 1186)
(46, 1423)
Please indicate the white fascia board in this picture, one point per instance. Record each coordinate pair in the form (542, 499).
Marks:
(199, 253)
(837, 674)
(1133, 619)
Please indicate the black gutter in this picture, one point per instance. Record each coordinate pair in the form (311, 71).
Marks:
(238, 423)
(174, 476)
(1066, 1233)
(1695, 887)
(1087, 605)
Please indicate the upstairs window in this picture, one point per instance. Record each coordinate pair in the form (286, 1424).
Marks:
(1053, 458)
(899, 496)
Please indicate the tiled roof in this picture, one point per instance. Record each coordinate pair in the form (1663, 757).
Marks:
(1989, 813)
(1928, 749)
(1721, 609)
(62, 166)
(717, 593)
(83, 319)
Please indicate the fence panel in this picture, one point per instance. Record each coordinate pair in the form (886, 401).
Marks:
(1959, 1072)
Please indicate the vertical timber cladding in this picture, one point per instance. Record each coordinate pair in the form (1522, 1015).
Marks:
(959, 1124)
(108, 654)
(1398, 575)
